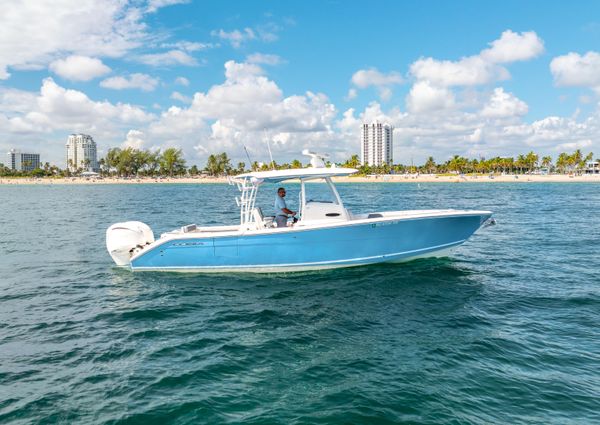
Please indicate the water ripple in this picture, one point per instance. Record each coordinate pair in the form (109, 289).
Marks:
(505, 331)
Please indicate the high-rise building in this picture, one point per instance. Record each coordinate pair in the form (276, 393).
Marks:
(81, 153)
(377, 144)
(23, 161)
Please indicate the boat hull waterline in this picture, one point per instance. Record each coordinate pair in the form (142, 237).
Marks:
(292, 249)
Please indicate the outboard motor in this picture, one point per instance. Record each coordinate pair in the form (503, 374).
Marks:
(125, 239)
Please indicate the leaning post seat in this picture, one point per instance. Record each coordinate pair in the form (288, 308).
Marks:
(260, 219)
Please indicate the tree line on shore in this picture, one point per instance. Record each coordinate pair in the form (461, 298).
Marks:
(131, 162)
(566, 163)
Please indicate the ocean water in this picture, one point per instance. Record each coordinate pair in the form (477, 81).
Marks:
(507, 330)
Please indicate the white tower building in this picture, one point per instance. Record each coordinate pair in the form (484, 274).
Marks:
(81, 153)
(377, 144)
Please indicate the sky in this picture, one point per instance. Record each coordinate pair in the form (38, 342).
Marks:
(470, 78)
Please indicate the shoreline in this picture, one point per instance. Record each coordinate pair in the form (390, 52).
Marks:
(398, 178)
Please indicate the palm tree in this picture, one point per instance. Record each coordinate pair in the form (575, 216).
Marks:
(531, 159)
(547, 162)
(172, 161)
(296, 164)
(562, 162)
(125, 163)
(112, 159)
(153, 162)
(212, 165)
(575, 160)
(585, 160)
(353, 162)
(224, 163)
(430, 165)
(241, 167)
(521, 163)
(456, 164)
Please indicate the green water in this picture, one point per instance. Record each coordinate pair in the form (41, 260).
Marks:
(504, 331)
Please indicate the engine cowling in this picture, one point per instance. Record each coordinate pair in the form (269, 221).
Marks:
(124, 239)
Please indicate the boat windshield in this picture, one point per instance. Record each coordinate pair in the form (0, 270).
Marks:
(319, 191)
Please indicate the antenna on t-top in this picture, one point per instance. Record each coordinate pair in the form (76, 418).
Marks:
(248, 156)
(269, 148)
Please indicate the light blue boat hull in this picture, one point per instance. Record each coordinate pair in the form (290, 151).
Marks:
(297, 249)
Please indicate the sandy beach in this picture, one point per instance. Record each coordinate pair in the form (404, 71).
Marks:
(402, 178)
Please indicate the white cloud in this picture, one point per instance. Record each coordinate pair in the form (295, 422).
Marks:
(438, 121)
(424, 97)
(267, 33)
(79, 68)
(468, 71)
(574, 70)
(180, 97)
(154, 5)
(68, 107)
(143, 82)
(35, 34)
(182, 81)
(56, 108)
(172, 57)
(188, 46)
(372, 77)
(42, 120)
(482, 68)
(512, 47)
(571, 146)
(266, 59)
(235, 71)
(239, 111)
(502, 105)
(352, 94)
(236, 37)
(134, 139)
(476, 136)
(442, 126)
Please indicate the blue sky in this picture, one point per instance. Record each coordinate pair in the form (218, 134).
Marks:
(469, 78)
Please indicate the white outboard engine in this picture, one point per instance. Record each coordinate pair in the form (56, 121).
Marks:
(125, 239)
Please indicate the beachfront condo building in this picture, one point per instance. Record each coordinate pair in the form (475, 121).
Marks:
(20, 161)
(81, 153)
(377, 144)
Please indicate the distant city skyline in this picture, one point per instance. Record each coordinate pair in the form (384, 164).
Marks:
(467, 78)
